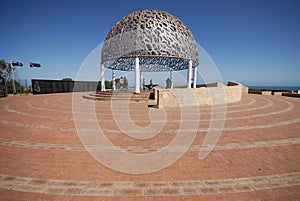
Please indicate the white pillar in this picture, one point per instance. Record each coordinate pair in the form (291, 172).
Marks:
(137, 75)
(102, 77)
(195, 78)
(141, 81)
(113, 79)
(189, 74)
(171, 78)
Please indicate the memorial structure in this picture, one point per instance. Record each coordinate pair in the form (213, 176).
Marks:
(149, 41)
(154, 41)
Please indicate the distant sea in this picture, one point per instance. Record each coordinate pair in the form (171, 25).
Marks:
(284, 88)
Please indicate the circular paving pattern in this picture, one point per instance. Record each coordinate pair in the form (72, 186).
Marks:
(42, 158)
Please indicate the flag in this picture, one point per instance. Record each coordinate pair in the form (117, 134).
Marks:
(31, 64)
(15, 63)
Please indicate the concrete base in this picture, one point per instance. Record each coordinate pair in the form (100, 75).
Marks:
(277, 93)
(221, 94)
(266, 93)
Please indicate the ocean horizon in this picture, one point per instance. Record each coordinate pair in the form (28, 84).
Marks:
(284, 88)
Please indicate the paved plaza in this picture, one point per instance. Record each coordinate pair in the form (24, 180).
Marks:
(256, 158)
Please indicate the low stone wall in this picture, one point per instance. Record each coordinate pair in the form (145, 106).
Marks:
(245, 91)
(234, 93)
(266, 93)
(291, 95)
(198, 96)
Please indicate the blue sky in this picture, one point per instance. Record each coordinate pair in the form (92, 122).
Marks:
(253, 42)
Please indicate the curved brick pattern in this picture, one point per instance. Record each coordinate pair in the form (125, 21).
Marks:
(290, 107)
(254, 116)
(255, 158)
(252, 145)
(266, 103)
(282, 123)
(159, 188)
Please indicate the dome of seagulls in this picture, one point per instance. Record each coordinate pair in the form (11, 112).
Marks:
(160, 40)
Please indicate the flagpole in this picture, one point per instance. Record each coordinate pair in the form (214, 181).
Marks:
(33, 64)
(30, 76)
(13, 79)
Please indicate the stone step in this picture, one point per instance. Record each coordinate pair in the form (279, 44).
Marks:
(119, 95)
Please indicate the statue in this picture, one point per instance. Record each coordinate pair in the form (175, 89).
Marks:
(125, 84)
(168, 83)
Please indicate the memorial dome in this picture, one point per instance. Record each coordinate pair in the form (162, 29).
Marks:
(160, 40)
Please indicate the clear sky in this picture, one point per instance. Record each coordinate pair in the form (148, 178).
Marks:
(255, 42)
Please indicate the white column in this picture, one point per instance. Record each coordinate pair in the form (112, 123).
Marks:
(195, 78)
(189, 74)
(113, 79)
(141, 81)
(102, 77)
(137, 75)
(171, 78)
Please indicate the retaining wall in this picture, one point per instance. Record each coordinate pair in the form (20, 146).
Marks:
(199, 96)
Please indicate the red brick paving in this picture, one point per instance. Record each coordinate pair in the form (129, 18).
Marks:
(255, 167)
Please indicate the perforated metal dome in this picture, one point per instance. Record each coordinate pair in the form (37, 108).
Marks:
(160, 40)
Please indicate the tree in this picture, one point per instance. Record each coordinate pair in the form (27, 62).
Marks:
(5, 69)
(10, 86)
(6, 73)
(67, 79)
(108, 84)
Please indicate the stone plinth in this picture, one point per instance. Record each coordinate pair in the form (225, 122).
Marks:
(266, 93)
(245, 90)
(199, 96)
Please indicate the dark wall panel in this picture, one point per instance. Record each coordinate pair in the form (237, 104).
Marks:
(60, 86)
